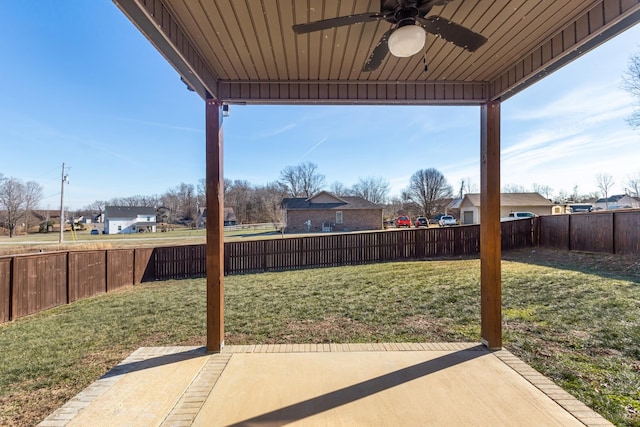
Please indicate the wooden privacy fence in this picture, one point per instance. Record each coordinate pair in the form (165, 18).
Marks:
(35, 282)
(614, 232)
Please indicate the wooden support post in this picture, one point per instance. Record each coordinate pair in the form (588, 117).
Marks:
(215, 226)
(490, 238)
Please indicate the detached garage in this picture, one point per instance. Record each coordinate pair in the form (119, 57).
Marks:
(509, 202)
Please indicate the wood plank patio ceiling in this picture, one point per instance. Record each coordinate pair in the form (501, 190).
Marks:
(245, 50)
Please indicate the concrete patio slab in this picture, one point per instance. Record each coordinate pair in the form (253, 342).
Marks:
(390, 384)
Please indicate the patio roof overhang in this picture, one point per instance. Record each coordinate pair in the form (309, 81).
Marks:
(246, 52)
(243, 51)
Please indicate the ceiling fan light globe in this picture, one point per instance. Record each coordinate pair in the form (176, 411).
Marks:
(406, 41)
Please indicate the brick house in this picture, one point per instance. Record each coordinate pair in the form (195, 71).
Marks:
(326, 212)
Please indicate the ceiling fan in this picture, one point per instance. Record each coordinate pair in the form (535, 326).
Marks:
(407, 36)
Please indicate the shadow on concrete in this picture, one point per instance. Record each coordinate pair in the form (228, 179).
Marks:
(361, 390)
(154, 362)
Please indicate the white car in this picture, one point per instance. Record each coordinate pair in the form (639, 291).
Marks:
(447, 221)
(518, 215)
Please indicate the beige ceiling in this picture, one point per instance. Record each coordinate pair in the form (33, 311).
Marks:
(245, 50)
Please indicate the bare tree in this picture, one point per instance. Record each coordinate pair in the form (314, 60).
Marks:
(118, 201)
(187, 196)
(255, 204)
(373, 189)
(467, 186)
(513, 188)
(633, 184)
(267, 201)
(545, 190)
(128, 201)
(302, 180)
(96, 208)
(169, 206)
(339, 189)
(426, 187)
(561, 197)
(290, 181)
(631, 83)
(33, 196)
(394, 207)
(237, 196)
(12, 201)
(605, 182)
(574, 195)
(201, 191)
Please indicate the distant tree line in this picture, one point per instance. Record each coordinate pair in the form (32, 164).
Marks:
(428, 193)
(261, 203)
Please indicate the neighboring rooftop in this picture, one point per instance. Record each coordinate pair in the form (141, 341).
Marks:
(127, 211)
(514, 199)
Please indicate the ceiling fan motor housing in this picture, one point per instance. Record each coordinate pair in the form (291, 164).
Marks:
(406, 16)
(391, 9)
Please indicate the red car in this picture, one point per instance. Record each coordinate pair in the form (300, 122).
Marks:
(403, 221)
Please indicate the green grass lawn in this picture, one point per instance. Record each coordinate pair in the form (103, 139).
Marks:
(573, 316)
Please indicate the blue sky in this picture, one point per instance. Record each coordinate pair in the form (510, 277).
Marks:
(81, 85)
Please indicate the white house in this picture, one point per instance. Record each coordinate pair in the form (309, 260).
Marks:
(125, 220)
(619, 201)
(509, 202)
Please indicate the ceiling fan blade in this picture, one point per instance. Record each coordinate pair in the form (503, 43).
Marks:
(379, 53)
(336, 22)
(452, 32)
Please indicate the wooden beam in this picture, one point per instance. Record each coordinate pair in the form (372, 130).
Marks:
(215, 226)
(342, 92)
(490, 239)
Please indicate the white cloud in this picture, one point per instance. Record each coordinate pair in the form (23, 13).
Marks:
(591, 101)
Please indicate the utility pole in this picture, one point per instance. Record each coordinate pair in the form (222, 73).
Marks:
(64, 179)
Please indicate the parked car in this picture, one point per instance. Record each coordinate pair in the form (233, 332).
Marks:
(421, 222)
(518, 215)
(447, 221)
(435, 219)
(403, 221)
(94, 231)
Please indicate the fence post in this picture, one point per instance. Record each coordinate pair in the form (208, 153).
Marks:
(6, 288)
(264, 255)
(613, 232)
(67, 280)
(227, 258)
(569, 233)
